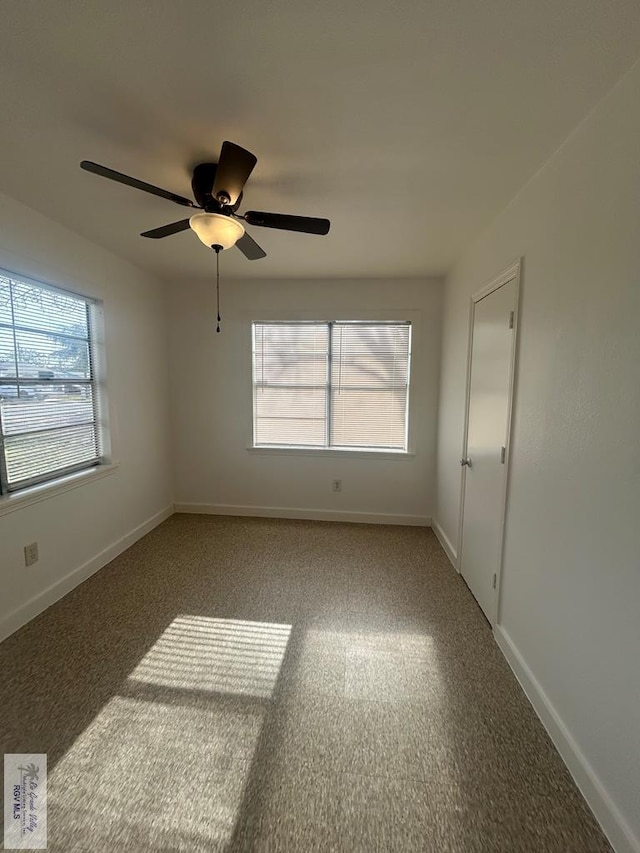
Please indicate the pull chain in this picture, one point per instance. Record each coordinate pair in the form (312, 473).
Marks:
(217, 251)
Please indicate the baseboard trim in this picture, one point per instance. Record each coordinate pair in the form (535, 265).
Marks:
(443, 539)
(40, 602)
(308, 514)
(614, 825)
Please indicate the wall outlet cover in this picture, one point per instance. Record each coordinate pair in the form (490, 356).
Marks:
(31, 554)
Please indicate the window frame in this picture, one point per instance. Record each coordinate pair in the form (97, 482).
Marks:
(334, 449)
(62, 477)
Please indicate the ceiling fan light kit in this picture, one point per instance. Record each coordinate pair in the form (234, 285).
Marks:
(216, 229)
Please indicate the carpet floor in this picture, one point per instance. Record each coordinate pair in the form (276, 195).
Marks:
(234, 684)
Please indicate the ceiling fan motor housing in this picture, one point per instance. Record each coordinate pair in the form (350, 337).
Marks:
(202, 182)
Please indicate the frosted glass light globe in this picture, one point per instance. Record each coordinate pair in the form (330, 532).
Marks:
(216, 229)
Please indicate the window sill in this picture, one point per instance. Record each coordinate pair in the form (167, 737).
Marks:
(44, 491)
(332, 452)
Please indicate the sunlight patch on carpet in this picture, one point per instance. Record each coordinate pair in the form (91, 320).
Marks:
(165, 764)
(216, 655)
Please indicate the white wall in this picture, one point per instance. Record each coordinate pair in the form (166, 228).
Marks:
(570, 615)
(79, 530)
(212, 404)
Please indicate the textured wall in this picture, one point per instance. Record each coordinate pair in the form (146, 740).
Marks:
(72, 528)
(571, 583)
(212, 403)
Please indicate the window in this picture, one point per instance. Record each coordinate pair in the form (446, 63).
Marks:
(331, 385)
(48, 393)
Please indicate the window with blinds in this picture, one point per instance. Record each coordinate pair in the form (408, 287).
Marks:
(338, 385)
(48, 401)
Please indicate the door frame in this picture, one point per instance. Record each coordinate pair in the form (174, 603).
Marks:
(512, 272)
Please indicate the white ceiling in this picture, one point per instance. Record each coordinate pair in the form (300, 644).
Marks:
(409, 124)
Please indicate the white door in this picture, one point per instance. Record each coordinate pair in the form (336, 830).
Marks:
(485, 457)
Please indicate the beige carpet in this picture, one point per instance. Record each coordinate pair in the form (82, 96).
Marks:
(267, 685)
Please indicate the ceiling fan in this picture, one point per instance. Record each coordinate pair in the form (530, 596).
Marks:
(217, 188)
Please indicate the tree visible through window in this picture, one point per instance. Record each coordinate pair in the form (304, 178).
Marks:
(337, 384)
(48, 403)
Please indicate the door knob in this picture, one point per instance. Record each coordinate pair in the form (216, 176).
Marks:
(466, 462)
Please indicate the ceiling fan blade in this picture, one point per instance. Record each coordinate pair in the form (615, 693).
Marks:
(97, 169)
(234, 167)
(167, 230)
(305, 224)
(250, 248)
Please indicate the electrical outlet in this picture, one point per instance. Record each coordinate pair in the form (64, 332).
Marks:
(31, 554)
(336, 485)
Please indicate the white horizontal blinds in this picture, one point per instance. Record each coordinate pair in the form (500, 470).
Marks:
(47, 390)
(7, 348)
(290, 365)
(370, 384)
(341, 384)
